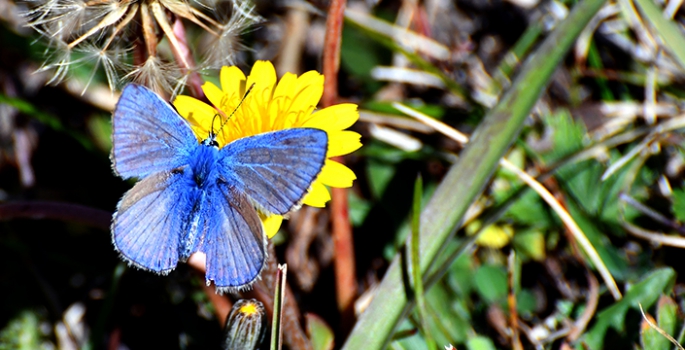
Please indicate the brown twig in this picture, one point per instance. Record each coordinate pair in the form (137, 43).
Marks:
(331, 52)
(511, 300)
(590, 308)
(345, 274)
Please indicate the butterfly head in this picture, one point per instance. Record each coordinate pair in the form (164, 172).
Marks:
(211, 138)
(211, 141)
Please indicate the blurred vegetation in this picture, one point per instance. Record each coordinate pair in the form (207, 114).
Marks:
(584, 96)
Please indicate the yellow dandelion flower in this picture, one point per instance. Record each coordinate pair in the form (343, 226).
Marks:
(276, 105)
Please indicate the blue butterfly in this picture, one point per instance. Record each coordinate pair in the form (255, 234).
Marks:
(195, 197)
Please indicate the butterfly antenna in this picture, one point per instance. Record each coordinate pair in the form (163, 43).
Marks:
(234, 110)
(212, 134)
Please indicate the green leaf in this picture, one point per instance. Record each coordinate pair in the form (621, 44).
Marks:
(359, 55)
(22, 332)
(460, 276)
(531, 244)
(651, 339)
(449, 319)
(320, 334)
(646, 292)
(434, 111)
(480, 343)
(530, 210)
(667, 314)
(379, 175)
(568, 135)
(612, 257)
(491, 283)
(679, 204)
(407, 338)
(359, 208)
(101, 129)
(666, 320)
(526, 302)
(583, 180)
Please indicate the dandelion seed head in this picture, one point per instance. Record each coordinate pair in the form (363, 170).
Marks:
(60, 19)
(102, 31)
(110, 60)
(224, 47)
(155, 74)
(58, 60)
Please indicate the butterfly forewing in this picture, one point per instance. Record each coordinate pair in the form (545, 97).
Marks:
(275, 169)
(148, 135)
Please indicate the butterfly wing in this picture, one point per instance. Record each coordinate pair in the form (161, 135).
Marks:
(150, 221)
(234, 241)
(148, 135)
(275, 169)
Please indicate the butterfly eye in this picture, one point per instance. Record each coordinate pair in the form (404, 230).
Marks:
(210, 141)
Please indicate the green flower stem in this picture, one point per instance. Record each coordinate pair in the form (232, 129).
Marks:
(467, 178)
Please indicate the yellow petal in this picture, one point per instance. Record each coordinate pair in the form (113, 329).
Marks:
(308, 91)
(232, 80)
(281, 102)
(342, 142)
(216, 96)
(335, 174)
(334, 118)
(317, 196)
(295, 98)
(271, 224)
(286, 86)
(198, 114)
(263, 75)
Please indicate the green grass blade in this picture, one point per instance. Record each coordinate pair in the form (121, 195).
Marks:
(666, 28)
(279, 295)
(415, 262)
(466, 178)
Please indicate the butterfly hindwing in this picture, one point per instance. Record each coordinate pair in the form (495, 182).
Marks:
(234, 240)
(150, 219)
(148, 135)
(275, 169)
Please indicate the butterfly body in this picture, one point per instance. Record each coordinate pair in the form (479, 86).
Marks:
(194, 196)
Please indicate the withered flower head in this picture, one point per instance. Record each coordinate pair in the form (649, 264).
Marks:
(126, 37)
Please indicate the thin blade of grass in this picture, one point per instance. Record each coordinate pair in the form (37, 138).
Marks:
(415, 262)
(466, 178)
(279, 296)
(666, 28)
